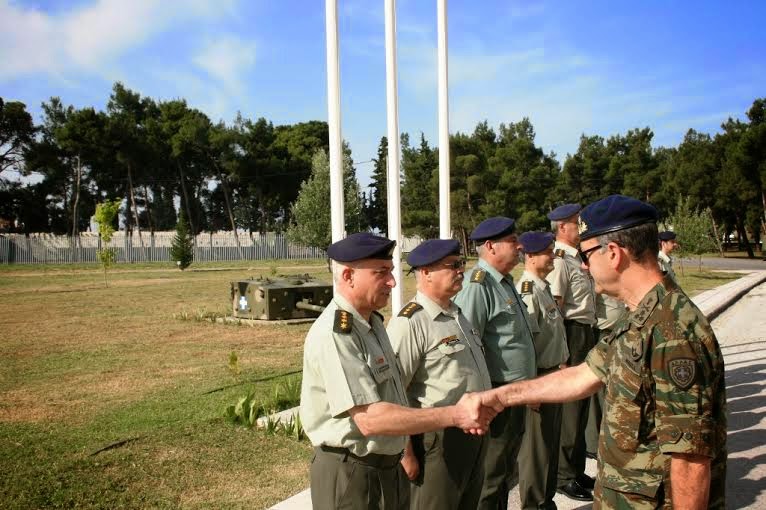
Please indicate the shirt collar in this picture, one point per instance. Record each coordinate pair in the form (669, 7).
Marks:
(570, 250)
(343, 304)
(533, 277)
(494, 273)
(432, 308)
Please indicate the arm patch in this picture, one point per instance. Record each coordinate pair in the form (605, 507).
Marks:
(342, 322)
(478, 276)
(410, 309)
(526, 287)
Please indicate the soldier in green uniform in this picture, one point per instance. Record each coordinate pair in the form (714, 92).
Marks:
(608, 312)
(539, 454)
(441, 358)
(668, 245)
(353, 402)
(572, 287)
(490, 302)
(663, 436)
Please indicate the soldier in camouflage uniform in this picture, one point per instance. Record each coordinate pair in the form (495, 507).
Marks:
(663, 436)
(441, 357)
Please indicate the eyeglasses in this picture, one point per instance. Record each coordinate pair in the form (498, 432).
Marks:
(455, 264)
(585, 255)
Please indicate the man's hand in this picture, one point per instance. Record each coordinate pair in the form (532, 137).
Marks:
(410, 464)
(491, 398)
(470, 415)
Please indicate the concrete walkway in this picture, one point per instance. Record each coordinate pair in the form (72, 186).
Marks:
(737, 310)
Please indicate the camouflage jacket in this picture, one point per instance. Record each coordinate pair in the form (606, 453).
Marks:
(665, 394)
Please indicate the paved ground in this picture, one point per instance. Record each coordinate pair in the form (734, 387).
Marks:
(723, 263)
(741, 332)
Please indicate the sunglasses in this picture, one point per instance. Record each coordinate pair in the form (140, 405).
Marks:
(455, 265)
(585, 255)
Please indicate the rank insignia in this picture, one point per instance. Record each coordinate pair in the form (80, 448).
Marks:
(682, 372)
(478, 276)
(526, 287)
(342, 322)
(410, 309)
(560, 252)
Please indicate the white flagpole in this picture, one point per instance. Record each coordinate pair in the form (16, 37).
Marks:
(392, 104)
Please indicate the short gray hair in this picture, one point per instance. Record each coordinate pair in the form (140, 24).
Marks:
(640, 241)
(337, 271)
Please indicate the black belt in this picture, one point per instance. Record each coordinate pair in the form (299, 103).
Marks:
(377, 460)
(543, 371)
(575, 322)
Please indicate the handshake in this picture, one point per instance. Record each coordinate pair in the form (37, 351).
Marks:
(474, 411)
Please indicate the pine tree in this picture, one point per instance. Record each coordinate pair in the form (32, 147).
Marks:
(182, 247)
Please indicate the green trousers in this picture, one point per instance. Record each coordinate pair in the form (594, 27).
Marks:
(539, 457)
(574, 415)
(505, 434)
(343, 481)
(451, 470)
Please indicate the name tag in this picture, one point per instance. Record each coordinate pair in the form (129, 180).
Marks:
(381, 365)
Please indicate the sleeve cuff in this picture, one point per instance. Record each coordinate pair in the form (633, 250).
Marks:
(686, 433)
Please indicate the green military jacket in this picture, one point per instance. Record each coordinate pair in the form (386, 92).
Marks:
(439, 353)
(348, 362)
(546, 320)
(490, 302)
(665, 394)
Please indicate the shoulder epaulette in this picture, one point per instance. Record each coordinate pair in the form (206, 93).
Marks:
(342, 322)
(478, 276)
(410, 309)
(378, 314)
(526, 287)
(560, 252)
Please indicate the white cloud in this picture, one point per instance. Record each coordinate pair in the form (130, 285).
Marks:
(226, 60)
(90, 37)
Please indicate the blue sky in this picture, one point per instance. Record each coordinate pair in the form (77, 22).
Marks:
(592, 67)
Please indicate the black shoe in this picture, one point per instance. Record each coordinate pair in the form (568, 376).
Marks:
(573, 490)
(586, 482)
(591, 455)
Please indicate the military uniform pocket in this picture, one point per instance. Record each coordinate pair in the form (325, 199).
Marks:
(630, 481)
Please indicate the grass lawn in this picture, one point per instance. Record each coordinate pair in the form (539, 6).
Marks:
(86, 366)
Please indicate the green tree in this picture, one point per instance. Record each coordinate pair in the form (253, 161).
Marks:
(17, 132)
(182, 246)
(106, 215)
(377, 206)
(693, 228)
(419, 190)
(310, 213)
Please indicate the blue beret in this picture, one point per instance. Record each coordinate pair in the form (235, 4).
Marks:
(492, 228)
(613, 213)
(430, 251)
(534, 242)
(361, 245)
(668, 235)
(563, 212)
